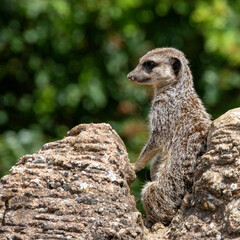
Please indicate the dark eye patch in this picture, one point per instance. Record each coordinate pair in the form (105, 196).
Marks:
(149, 65)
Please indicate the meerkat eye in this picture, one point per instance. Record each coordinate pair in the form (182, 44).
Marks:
(176, 65)
(149, 65)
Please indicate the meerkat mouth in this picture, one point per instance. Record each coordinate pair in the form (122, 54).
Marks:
(143, 80)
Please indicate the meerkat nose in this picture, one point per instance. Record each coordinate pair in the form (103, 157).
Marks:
(130, 76)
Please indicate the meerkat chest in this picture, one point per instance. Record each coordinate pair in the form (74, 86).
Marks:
(162, 116)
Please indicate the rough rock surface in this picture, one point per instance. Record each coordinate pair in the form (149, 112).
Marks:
(75, 188)
(213, 210)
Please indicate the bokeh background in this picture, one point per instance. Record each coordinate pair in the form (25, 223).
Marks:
(64, 62)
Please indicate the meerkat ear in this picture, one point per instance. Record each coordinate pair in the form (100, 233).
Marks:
(176, 65)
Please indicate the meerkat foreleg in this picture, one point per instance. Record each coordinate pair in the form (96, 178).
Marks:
(147, 153)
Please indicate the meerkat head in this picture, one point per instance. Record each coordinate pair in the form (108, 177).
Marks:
(160, 67)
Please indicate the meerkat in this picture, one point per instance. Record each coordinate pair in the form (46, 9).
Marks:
(179, 125)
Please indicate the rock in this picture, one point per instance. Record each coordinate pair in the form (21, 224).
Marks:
(78, 188)
(39, 159)
(75, 188)
(213, 210)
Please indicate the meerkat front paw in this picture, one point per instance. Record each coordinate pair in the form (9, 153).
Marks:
(136, 167)
(133, 165)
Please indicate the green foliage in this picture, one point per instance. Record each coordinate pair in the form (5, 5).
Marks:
(65, 62)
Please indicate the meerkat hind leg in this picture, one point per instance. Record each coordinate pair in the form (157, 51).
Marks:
(157, 204)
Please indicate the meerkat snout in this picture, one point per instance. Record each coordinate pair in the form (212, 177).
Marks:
(131, 76)
(138, 76)
(158, 68)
